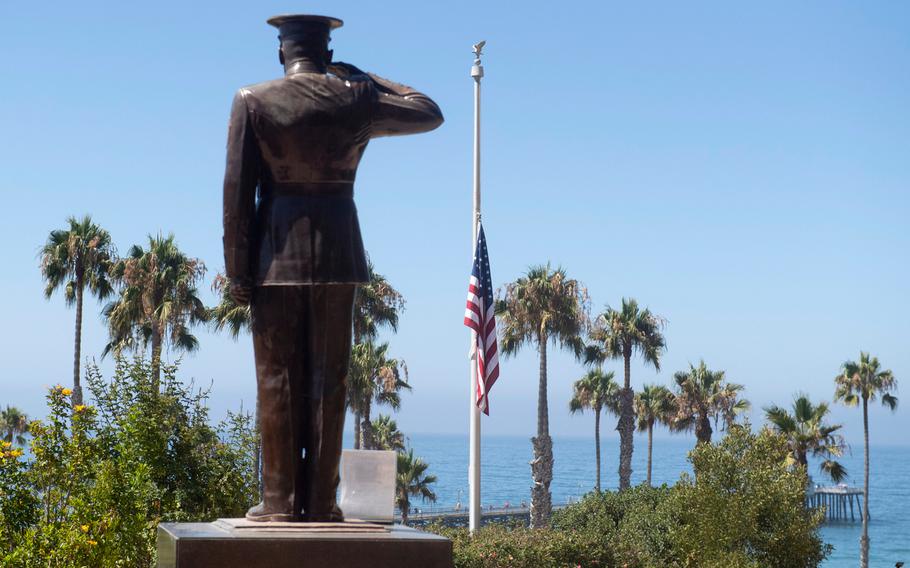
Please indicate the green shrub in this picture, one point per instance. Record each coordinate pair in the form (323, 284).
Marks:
(200, 472)
(101, 478)
(744, 509)
(633, 527)
(18, 501)
(87, 507)
(497, 545)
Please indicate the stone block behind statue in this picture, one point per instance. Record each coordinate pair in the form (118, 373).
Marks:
(293, 249)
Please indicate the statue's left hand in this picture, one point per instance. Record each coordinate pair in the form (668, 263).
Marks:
(241, 291)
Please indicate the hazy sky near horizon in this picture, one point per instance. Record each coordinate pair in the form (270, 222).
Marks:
(743, 170)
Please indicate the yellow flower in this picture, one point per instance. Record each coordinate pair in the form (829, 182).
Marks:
(79, 407)
(5, 443)
(15, 453)
(67, 392)
(84, 528)
(92, 542)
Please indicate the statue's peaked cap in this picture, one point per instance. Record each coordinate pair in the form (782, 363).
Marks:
(294, 24)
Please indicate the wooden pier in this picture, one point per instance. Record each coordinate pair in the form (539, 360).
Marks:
(836, 500)
(459, 517)
(840, 503)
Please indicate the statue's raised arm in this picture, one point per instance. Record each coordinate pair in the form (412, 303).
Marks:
(398, 109)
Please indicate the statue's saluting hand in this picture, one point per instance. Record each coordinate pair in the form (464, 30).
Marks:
(344, 70)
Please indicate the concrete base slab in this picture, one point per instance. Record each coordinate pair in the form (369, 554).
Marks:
(238, 543)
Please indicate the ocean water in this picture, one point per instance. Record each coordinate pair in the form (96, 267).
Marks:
(506, 478)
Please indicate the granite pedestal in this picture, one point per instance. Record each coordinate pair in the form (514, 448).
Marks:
(236, 543)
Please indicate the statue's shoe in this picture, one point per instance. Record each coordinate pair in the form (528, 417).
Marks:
(333, 516)
(260, 513)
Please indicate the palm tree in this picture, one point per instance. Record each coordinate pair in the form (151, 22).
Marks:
(158, 301)
(14, 425)
(412, 481)
(864, 381)
(617, 334)
(729, 405)
(807, 434)
(374, 377)
(386, 435)
(377, 304)
(703, 394)
(542, 306)
(595, 391)
(75, 258)
(228, 314)
(654, 404)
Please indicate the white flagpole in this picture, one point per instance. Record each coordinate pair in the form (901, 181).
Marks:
(474, 511)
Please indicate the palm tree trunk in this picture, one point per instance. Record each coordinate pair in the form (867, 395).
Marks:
(357, 430)
(258, 450)
(156, 356)
(650, 448)
(366, 429)
(543, 411)
(626, 424)
(77, 386)
(803, 460)
(597, 444)
(703, 427)
(404, 513)
(542, 464)
(864, 539)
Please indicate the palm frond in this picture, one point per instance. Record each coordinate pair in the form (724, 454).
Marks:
(377, 304)
(76, 258)
(808, 433)
(158, 292)
(834, 469)
(618, 332)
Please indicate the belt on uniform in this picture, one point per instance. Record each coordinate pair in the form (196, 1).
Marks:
(319, 188)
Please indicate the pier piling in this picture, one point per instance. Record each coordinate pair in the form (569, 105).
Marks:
(834, 500)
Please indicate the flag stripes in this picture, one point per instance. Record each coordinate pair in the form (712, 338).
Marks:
(479, 316)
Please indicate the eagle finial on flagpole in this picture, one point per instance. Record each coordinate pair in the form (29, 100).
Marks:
(477, 68)
(478, 47)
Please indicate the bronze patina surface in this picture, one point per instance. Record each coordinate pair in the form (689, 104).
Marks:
(293, 249)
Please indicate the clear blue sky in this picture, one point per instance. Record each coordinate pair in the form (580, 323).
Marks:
(742, 170)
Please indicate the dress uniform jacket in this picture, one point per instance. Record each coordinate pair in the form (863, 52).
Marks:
(293, 149)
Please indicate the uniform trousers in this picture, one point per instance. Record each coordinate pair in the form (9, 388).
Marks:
(302, 345)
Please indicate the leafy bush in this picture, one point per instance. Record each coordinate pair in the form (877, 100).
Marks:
(201, 473)
(633, 527)
(18, 501)
(744, 509)
(521, 547)
(101, 478)
(87, 507)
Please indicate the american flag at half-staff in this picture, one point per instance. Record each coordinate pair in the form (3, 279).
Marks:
(479, 316)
